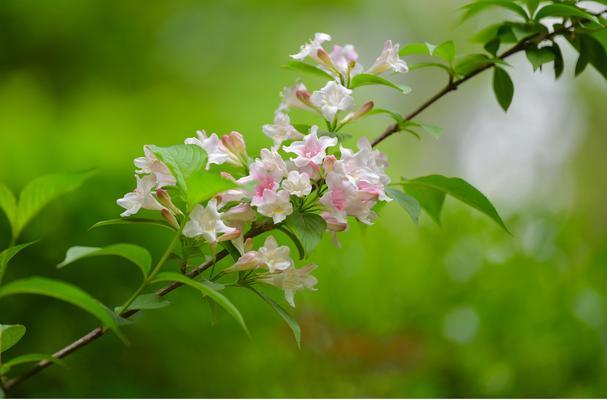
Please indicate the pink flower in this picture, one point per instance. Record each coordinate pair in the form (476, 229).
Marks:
(141, 197)
(312, 150)
(217, 151)
(281, 129)
(150, 164)
(389, 59)
(345, 60)
(275, 205)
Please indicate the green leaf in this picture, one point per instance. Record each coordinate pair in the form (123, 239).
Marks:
(10, 335)
(8, 254)
(470, 63)
(308, 69)
(308, 228)
(503, 87)
(41, 191)
(207, 291)
(133, 221)
(295, 240)
(433, 130)
(446, 51)
(407, 202)
(203, 185)
(592, 50)
(475, 8)
(135, 254)
(8, 203)
(369, 79)
(532, 5)
(395, 116)
(563, 10)
(182, 160)
(539, 56)
(284, 314)
(29, 358)
(62, 291)
(150, 301)
(559, 63)
(421, 65)
(461, 190)
(417, 48)
(230, 248)
(431, 200)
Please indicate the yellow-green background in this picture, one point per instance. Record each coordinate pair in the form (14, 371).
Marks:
(462, 310)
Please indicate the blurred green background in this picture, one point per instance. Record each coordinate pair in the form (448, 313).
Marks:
(458, 310)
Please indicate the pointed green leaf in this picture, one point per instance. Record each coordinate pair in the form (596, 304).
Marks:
(476, 7)
(308, 228)
(468, 64)
(308, 69)
(421, 65)
(203, 185)
(446, 51)
(182, 160)
(136, 254)
(206, 290)
(8, 204)
(10, 335)
(300, 249)
(539, 56)
(132, 221)
(431, 200)
(503, 87)
(563, 10)
(417, 49)
(284, 314)
(8, 254)
(62, 291)
(407, 202)
(149, 301)
(29, 358)
(370, 79)
(461, 190)
(41, 191)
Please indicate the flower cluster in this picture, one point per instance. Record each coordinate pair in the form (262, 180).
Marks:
(306, 171)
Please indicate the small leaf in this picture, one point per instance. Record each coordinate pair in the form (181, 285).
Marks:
(433, 130)
(150, 301)
(431, 200)
(471, 62)
(41, 191)
(407, 202)
(206, 290)
(10, 335)
(461, 190)
(369, 79)
(308, 69)
(539, 56)
(182, 160)
(8, 254)
(417, 48)
(8, 204)
(284, 314)
(133, 221)
(29, 358)
(295, 240)
(229, 246)
(446, 51)
(563, 10)
(503, 87)
(421, 65)
(136, 254)
(203, 185)
(308, 228)
(472, 9)
(559, 64)
(62, 291)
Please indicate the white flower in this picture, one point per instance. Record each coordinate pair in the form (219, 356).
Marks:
(296, 96)
(207, 222)
(297, 184)
(311, 48)
(331, 99)
(344, 60)
(292, 280)
(275, 205)
(275, 257)
(311, 150)
(217, 152)
(141, 197)
(281, 129)
(389, 59)
(150, 164)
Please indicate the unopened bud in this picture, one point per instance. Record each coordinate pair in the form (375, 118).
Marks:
(170, 218)
(248, 244)
(304, 97)
(164, 198)
(324, 56)
(229, 236)
(235, 143)
(361, 112)
(328, 163)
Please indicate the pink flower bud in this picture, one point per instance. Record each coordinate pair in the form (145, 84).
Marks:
(170, 218)
(304, 97)
(164, 198)
(324, 56)
(248, 244)
(229, 235)
(362, 111)
(234, 142)
(328, 163)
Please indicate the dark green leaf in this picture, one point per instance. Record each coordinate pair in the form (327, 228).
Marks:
(563, 10)
(29, 358)
(308, 228)
(136, 254)
(295, 240)
(559, 64)
(369, 79)
(503, 87)
(431, 200)
(471, 62)
(592, 51)
(308, 69)
(492, 46)
(284, 314)
(229, 246)
(10, 335)
(207, 291)
(407, 202)
(421, 65)
(62, 291)
(133, 221)
(8, 204)
(150, 301)
(8, 254)
(539, 56)
(203, 185)
(182, 160)
(461, 190)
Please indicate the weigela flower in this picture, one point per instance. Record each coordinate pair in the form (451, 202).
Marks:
(266, 171)
(281, 129)
(296, 96)
(237, 217)
(311, 48)
(150, 164)
(275, 205)
(311, 150)
(331, 99)
(344, 60)
(216, 150)
(389, 59)
(141, 197)
(297, 184)
(365, 168)
(206, 222)
(292, 280)
(275, 257)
